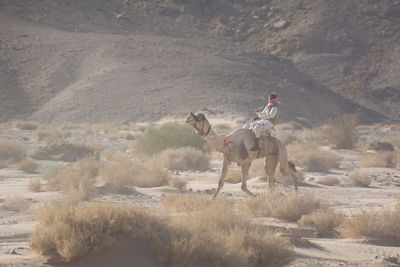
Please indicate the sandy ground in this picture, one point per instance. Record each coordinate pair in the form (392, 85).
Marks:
(15, 227)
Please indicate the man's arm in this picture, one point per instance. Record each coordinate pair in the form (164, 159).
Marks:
(266, 116)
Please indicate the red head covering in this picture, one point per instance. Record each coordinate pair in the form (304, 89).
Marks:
(273, 99)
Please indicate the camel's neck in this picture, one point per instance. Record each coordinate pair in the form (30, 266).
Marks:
(215, 140)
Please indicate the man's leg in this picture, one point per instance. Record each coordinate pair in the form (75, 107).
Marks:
(257, 130)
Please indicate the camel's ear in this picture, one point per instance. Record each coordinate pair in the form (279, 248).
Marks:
(194, 116)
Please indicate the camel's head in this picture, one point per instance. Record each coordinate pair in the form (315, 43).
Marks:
(199, 122)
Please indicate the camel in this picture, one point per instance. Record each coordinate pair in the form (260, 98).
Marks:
(235, 147)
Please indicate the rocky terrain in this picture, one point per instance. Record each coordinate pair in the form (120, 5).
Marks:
(145, 60)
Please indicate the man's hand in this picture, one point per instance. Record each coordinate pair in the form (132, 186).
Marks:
(259, 109)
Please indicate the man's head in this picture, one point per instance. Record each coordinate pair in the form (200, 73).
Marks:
(273, 96)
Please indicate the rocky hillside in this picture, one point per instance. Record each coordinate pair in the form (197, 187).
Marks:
(143, 60)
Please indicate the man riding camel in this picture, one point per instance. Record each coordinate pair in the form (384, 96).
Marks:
(266, 117)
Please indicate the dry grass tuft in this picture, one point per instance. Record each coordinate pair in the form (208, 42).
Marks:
(328, 180)
(234, 176)
(77, 180)
(11, 152)
(25, 125)
(359, 179)
(380, 146)
(341, 131)
(64, 151)
(35, 185)
(178, 183)
(214, 236)
(121, 172)
(382, 226)
(17, 204)
(184, 159)
(380, 160)
(286, 207)
(325, 221)
(313, 159)
(185, 202)
(28, 166)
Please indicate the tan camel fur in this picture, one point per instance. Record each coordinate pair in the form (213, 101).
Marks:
(235, 147)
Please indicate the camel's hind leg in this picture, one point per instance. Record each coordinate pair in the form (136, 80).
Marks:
(245, 174)
(225, 166)
(289, 173)
(271, 161)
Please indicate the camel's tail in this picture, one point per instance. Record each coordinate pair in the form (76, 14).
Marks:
(292, 166)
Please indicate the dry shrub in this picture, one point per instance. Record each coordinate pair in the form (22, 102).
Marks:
(64, 151)
(285, 137)
(28, 166)
(305, 122)
(222, 127)
(121, 172)
(17, 204)
(77, 180)
(286, 207)
(380, 146)
(35, 185)
(292, 125)
(178, 183)
(313, 159)
(184, 159)
(169, 135)
(48, 135)
(214, 236)
(380, 160)
(328, 180)
(126, 135)
(185, 202)
(325, 221)
(380, 226)
(11, 152)
(341, 131)
(359, 179)
(233, 176)
(25, 125)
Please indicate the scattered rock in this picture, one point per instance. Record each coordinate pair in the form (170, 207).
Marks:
(281, 24)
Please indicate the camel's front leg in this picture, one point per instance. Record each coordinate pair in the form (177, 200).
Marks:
(245, 174)
(270, 166)
(225, 166)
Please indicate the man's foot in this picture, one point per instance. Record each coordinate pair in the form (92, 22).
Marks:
(256, 145)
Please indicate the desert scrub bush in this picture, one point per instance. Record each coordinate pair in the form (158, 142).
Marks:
(120, 172)
(25, 125)
(305, 122)
(313, 159)
(35, 185)
(49, 135)
(187, 202)
(292, 125)
(328, 180)
(380, 146)
(11, 152)
(169, 135)
(380, 160)
(325, 221)
(215, 236)
(28, 166)
(341, 131)
(286, 207)
(17, 204)
(285, 138)
(64, 151)
(184, 159)
(359, 179)
(77, 180)
(382, 225)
